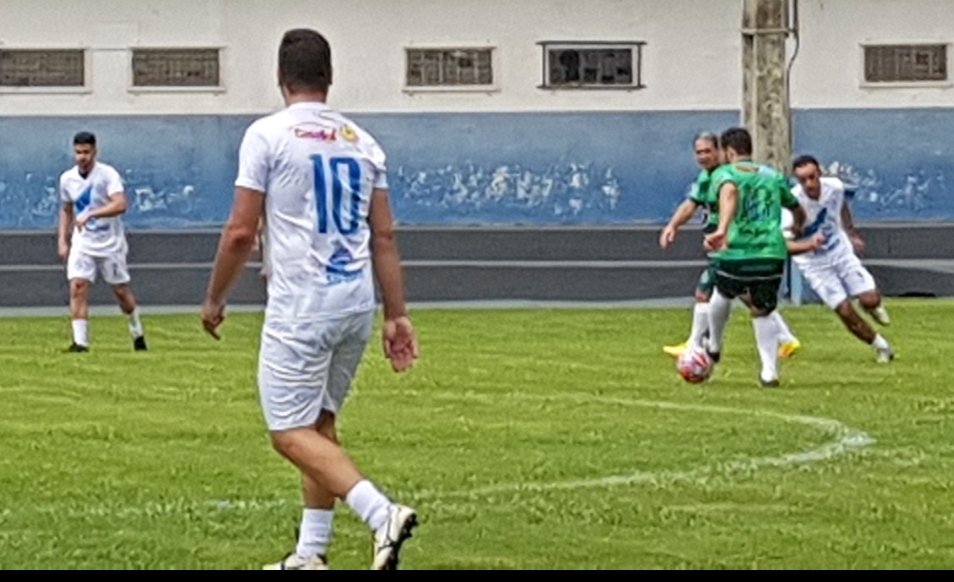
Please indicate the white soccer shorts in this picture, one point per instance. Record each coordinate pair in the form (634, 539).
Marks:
(84, 266)
(308, 366)
(836, 283)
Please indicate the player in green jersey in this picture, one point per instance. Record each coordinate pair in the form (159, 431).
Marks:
(709, 156)
(748, 247)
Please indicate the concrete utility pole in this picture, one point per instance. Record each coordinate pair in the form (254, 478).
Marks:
(766, 112)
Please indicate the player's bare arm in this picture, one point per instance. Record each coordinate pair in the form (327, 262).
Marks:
(798, 247)
(65, 230)
(235, 245)
(399, 341)
(683, 214)
(728, 203)
(848, 223)
(117, 206)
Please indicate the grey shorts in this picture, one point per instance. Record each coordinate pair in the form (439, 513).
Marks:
(306, 367)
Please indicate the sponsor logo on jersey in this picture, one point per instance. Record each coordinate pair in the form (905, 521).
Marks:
(316, 133)
(338, 267)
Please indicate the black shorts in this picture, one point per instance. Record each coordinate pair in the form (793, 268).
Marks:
(758, 279)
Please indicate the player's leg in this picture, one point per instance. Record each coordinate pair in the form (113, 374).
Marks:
(81, 273)
(788, 344)
(857, 282)
(726, 289)
(116, 273)
(700, 319)
(763, 302)
(828, 285)
(295, 387)
(700, 315)
(370, 504)
(315, 528)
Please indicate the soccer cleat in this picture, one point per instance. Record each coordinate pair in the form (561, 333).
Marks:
(885, 356)
(769, 383)
(388, 541)
(678, 350)
(293, 562)
(787, 350)
(77, 349)
(880, 314)
(140, 344)
(716, 356)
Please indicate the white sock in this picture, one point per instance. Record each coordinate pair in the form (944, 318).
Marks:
(719, 309)
(135, 325)
(785, 335)
(370, 504)
(766, 335)
(700, 324)
(315, 533)
(81, 332)
(880, 343)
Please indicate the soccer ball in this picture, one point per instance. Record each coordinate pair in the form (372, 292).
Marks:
(694, 365)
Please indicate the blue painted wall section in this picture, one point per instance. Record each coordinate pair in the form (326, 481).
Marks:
(491, 168)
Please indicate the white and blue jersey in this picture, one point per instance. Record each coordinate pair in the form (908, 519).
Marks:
(824, 216)
(102, 237)
(317, 171)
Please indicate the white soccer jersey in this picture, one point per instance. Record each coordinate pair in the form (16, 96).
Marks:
(824, 216)
(317, 170)
(102, 237)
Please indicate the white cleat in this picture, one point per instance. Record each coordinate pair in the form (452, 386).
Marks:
(388, 542)
(880, 315)
(885, 356)
(294, 562)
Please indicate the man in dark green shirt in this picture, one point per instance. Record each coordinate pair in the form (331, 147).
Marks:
(748, 247)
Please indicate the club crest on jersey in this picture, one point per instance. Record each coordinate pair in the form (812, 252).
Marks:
(349, 134)
(316, 133)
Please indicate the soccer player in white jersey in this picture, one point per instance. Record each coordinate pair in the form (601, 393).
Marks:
(835, 272)
(92, 237)
(321, 182)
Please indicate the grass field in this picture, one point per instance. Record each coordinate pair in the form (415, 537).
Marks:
(525, 439)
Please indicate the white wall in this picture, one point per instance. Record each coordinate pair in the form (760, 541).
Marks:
(368, 39)
(828, 71)
(691, 61)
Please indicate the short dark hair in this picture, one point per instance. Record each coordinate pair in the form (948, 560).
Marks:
(739, 139)
(84, 138)
(707, 136)
(801, 161)
(304, 61)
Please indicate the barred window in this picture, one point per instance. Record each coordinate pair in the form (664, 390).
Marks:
(592, 65)
(42, 68)
(906, 63)
(452, 67)
(175, 67)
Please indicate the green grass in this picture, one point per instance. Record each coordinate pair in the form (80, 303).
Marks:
(502, 437)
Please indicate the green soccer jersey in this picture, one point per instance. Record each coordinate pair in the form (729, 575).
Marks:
(702, 195)
(756, 230)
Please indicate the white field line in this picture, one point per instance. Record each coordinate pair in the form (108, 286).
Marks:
(843, 440)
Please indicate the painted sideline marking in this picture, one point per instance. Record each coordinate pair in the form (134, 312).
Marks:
(844, 440)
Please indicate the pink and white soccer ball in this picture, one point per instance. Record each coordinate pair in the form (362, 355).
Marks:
(695, 365)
